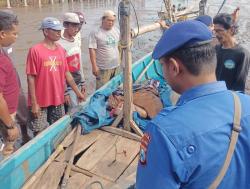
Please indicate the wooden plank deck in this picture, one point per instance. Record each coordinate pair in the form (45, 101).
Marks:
(77, 181)
(84, 142)
(107, 159)
(96, 152)
(117, 159)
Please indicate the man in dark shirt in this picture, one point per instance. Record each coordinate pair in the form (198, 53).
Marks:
(233, 60)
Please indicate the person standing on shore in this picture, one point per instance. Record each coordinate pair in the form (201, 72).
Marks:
(103, 50)
(78, 36)
(46, 70)
(71, 24)
(9, 87)
(233, 60)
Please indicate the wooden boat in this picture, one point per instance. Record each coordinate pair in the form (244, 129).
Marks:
(24, 165)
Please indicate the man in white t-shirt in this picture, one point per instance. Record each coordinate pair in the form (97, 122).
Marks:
(103, 49)
(71, 24)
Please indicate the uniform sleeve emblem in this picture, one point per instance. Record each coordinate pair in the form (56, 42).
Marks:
(143, 148)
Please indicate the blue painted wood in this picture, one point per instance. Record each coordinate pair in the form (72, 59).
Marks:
(16, 169)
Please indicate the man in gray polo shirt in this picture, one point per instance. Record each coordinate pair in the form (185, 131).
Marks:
(103, 49)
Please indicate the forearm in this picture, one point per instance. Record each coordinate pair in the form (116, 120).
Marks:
(92, 54)
(4, 112)
(32, 89)
(72, 84)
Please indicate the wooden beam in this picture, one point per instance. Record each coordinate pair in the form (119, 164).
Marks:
(41, 170)
(144, 71)
(144, 29)
(127, 59)
(79, 170)
(121, 132)
(70, 163)
(117, 120)
(136, 129)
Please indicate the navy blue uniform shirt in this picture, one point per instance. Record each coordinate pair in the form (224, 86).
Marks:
(185, 146)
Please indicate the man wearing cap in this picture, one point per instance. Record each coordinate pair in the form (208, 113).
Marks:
(103, 49)
(185, 146)
(233, 60)
(47, 69)
(78, 37)
(71, 24)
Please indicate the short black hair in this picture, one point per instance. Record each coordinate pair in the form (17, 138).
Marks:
(197, 59)
(7, 20)
(226, 20)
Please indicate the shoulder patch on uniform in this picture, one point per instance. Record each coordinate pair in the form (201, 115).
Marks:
(143, 148)
(229, 64)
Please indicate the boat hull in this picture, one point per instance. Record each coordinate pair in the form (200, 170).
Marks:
(20, 166)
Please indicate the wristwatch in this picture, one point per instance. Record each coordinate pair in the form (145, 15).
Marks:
(12, 126)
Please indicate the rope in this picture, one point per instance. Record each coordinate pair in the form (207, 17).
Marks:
(223, 3)
(137, 21)
(95, 182)
(122, 47)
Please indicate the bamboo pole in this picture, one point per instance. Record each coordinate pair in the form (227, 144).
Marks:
(127, 60)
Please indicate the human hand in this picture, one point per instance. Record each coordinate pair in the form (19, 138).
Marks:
(163, 24)
(13, 133)
(83, 91)
(35, 109)
(67, 100)
(81, 97)
(95, 71)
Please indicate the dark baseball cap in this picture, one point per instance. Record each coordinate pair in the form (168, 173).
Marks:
(186, 33)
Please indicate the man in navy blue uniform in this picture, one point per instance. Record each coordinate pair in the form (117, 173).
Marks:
(185, 146)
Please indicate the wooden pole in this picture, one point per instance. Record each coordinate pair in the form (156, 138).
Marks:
(168, 9)
(70, 163)
(144, 29)
(202, 6)
(39, 3)
(25, 3)
(127, 61)
(8, 4)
